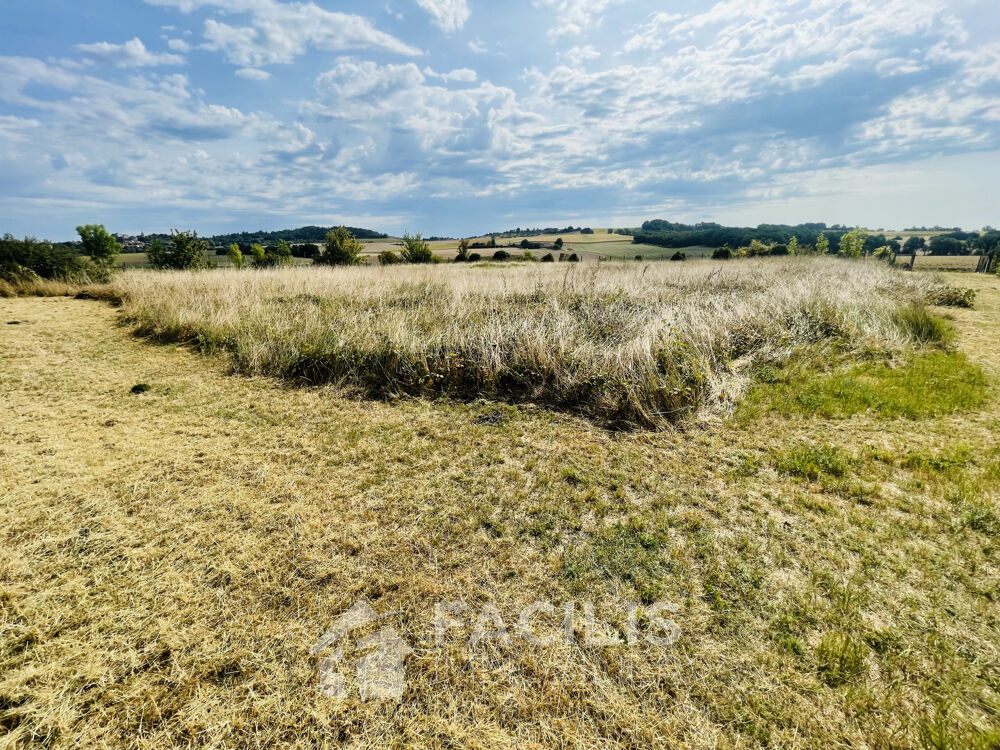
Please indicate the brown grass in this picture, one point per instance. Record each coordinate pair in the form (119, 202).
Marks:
(168, 560)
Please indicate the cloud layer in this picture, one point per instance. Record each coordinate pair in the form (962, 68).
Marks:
(592, 108)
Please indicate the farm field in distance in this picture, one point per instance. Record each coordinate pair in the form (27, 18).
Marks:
(177, 538)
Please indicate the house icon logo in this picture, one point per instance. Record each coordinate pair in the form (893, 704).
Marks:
(381, 675)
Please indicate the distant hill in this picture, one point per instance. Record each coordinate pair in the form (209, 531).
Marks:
(302, 234)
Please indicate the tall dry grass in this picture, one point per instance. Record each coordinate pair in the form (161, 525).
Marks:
(627, 344)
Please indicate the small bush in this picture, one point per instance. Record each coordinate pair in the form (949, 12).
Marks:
(678, 256)
(415, 250)
(548, 258)
(573, 258)
(501, 255)
(388, 258)
(722, 253)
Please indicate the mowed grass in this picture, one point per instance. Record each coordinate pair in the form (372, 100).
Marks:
(170, 557)
(628, 345)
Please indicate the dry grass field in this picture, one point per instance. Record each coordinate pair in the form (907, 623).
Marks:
(628, 344)
(171, 554)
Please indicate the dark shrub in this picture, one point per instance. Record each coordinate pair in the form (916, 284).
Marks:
(29, 256)
(678, 256)
(475, 257)
(722, 253)
(548, 258)
(574, 258)
(501, 255)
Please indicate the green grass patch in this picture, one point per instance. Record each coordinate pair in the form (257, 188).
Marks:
(624, 552)
(927, 385)
(812, 462)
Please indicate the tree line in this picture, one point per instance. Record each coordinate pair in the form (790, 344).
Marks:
(662, 233)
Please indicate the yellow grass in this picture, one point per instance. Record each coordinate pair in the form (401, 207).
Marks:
(168, 560)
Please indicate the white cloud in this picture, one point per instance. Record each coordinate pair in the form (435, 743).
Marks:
(179, 45)
(478, 46)
(280, 32)
(574, 16)
(448, 15)
(253, 74)
(16, 128)
(131, 54)
(462, 75)
(579, 55)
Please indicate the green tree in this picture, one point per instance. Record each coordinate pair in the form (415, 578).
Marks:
(259, 255)
(156, 253)
(235, 256)
(885, 253)
(272, 256)
(102, 248)
(948, 246)
(186, 250)
(341, 248)
(415, 250)
(822, 244)
(793, 245)
(463, 251)
(558, 243)
(913, 244)
(852, 244)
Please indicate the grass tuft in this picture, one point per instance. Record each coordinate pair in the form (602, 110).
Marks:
(840, 659)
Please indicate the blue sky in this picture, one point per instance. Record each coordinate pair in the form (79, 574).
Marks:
(460, 116)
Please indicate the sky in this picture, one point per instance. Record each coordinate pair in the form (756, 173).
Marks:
(458, 117)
